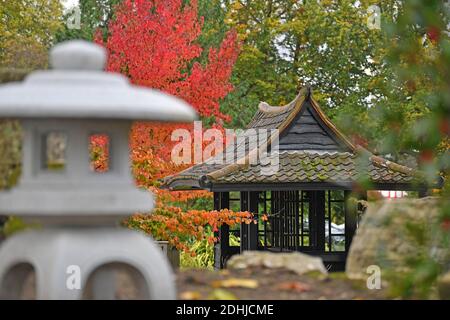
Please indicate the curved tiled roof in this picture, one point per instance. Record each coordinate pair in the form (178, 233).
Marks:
(311, 150)
(312, 166)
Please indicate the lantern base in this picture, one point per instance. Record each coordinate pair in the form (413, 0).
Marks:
(83, 264)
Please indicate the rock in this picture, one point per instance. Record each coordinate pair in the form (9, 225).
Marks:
(297, 262)
(444, 286)
(390, 232)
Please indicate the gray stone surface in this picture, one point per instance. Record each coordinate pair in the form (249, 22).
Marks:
(297, 262)
(385, 237)
(75, 195)
(78, 55)
(50, 252)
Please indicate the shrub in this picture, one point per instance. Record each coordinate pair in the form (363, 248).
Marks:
(181, 228)
(203, 257)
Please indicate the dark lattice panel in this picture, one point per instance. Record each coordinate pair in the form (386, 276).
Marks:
(313, 222)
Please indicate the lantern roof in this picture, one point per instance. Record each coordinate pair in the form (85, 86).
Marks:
(77, 87)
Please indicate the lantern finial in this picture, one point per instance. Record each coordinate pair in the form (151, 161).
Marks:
(78, 55)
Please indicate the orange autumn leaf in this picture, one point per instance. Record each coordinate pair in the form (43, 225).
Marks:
(295, 286)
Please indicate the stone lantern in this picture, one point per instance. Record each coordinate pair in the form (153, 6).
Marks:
(78, 250)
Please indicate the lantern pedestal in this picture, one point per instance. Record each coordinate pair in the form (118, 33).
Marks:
(72, 263)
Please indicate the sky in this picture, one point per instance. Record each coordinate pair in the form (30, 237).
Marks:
(69, 3)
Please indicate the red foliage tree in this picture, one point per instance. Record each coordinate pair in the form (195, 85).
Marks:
(153, 42)
(178, 227)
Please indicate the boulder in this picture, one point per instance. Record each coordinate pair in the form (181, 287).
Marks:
(444, 286)
(391, 231)
(297, 262)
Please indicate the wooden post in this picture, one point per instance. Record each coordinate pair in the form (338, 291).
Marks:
(217, 251)
(244, 232)
(423, 192)
(351, 220)
(253, 228)
(249, 232)
(221, 248)
(318, 204)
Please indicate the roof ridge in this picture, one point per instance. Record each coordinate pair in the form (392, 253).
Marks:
(264, 107)
(315, 151)
(244, 161)
(384, 163)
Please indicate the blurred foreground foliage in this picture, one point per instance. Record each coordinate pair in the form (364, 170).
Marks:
(425, 264)
(417, 118)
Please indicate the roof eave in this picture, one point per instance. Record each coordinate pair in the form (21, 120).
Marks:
(315, 186)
